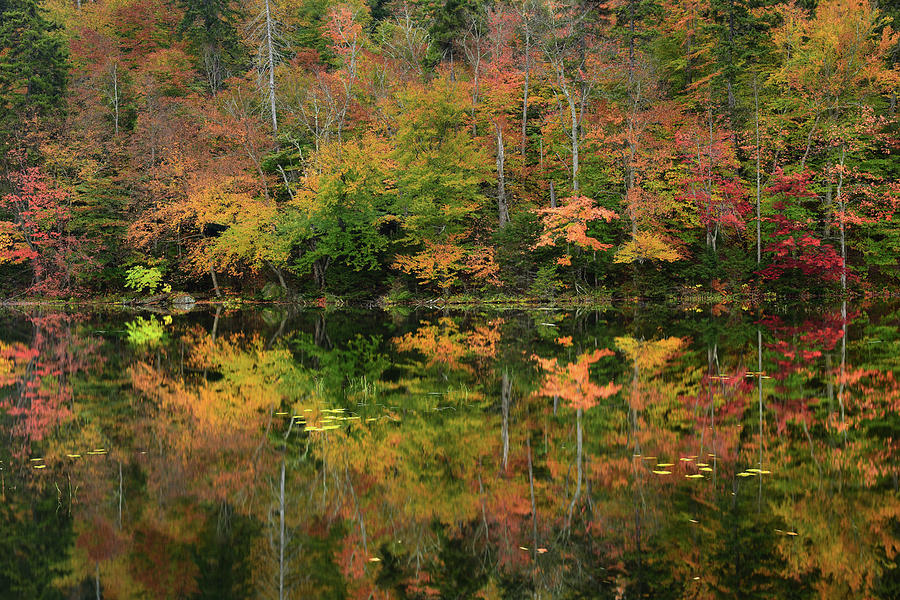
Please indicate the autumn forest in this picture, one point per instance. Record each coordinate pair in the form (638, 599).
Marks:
(449, 299)
(402, 149)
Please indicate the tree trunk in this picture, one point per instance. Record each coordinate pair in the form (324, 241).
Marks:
(270, 51)
(215, 281)
(758, 190)
(502, 207)
(842, 204)
(526, 86)
(115, 78)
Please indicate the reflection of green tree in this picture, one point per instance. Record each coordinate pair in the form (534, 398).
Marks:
(35, 537)
(222, 555)
(459, 568)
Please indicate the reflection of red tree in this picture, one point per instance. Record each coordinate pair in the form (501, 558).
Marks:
(40, 373)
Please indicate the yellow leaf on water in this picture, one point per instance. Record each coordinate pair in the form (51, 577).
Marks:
(706, 469)
(694, 476)
(666, 465)
(663, 472)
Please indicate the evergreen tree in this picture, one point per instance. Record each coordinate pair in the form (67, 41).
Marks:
(32, 67)
(210, 27)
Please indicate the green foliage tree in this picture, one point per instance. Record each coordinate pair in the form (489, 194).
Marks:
(32, 67)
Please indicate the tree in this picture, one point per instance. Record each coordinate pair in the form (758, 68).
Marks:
(343, 206)
(440, 171)
(32, 68)
(40, 233)
(211, 27)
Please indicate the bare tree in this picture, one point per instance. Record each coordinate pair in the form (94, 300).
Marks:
(266, 30)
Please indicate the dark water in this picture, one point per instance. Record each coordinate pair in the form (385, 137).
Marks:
(643, 451)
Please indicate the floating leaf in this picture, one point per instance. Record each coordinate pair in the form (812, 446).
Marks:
(663, 472)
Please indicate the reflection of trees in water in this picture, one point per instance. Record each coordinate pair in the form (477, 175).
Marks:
(474, 467)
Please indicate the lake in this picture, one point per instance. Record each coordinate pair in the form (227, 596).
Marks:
(640, 451)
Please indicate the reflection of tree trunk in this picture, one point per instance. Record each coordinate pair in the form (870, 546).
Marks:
(120, 495)
(759, 398)
(215, 325)
(278, 332)
(843, 363)
(505, 387)
(531, 489)
(359, 514)
(97, 581)
(577, 495)
(281, 536)
(320, 334)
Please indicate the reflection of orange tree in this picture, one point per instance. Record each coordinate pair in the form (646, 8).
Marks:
(444, 342)
(572, 382)
(213, 420)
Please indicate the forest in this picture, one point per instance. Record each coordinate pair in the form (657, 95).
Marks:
(400, 149)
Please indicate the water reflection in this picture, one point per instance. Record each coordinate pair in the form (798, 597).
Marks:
(641, 452)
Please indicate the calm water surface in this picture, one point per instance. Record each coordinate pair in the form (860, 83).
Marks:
(638, 452)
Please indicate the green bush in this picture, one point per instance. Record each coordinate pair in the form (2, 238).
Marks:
(140, 278)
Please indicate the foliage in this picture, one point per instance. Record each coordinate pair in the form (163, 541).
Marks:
(139, 278)
(146, 332)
